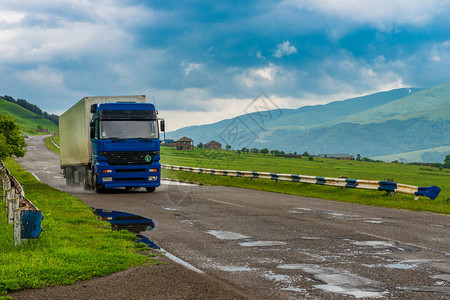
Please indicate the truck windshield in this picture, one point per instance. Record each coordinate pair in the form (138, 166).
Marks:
(128, 129)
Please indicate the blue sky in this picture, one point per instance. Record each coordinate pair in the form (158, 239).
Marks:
(204, 61)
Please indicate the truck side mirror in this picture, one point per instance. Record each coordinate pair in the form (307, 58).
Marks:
(163, 126)
(92, 129)
(93, 108)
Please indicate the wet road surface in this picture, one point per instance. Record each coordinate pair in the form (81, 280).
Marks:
(282, 246)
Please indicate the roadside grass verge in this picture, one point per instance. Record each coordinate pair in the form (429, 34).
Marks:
(231, 160)
(51, 146)
(74, 245)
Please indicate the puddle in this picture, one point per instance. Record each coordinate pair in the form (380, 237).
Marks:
(168, 208)
(227, 235)
(375, 244)
(305, 209)
(400, 266)
(340, 281)
(437, 225)
(262, 243)
(277, 277)
(445, 277)
(294, 289)
(374, 221)
(133, 223)
(427, 289)
(235, 269)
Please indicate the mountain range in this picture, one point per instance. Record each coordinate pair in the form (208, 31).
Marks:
(407, 124)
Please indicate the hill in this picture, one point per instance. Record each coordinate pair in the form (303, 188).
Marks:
(28, 121)
(379, 124)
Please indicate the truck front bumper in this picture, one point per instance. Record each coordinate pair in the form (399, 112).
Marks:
(128, 176)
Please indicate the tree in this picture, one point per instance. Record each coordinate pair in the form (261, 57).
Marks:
(305, 153)
(264, 151)
(358, 157)
(228, 147)
(200, 145)
(447, 162)
(12, 141)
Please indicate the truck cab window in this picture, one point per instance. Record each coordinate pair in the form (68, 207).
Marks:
(128, 129)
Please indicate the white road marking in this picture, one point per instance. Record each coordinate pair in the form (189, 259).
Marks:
(36, 177)
(262, 243)
(227, 235)
(180, 261)
(223, 202)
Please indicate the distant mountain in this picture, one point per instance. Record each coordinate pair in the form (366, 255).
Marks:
(28, 121)
(380, 124)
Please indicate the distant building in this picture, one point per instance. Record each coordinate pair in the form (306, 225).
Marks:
(184, 143)
(213, 145)
(337, 156)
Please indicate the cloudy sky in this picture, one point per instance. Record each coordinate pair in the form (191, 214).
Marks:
(204, 61)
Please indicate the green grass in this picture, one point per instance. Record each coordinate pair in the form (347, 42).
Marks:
(74, 245)
(51, 146)
(27, 120)
(231, 160)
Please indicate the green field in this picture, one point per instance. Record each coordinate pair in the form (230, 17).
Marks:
(27, 120)
(75, 245)
(230, 160)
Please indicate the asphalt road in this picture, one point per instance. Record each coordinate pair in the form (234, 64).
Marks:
(272, 245)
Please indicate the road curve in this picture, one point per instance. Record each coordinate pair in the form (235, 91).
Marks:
(280, 246)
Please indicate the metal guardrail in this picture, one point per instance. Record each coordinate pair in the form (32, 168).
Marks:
(20, 211)
(431, 192)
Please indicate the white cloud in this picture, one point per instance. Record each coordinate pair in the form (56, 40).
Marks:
(11, 16)
(191, 67)
(259, 55)
(284, 49)
(258, 77)
(381, 13)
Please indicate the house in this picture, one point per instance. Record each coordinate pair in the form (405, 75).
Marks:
(337, 156)
(213, 145)
(184, 143)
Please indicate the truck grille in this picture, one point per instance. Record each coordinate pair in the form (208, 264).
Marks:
(129, 157)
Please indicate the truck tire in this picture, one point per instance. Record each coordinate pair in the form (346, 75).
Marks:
(86, 185)
(98, 188)
(68, 174)
(150, 189)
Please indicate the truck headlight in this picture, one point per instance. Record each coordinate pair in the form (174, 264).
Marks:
(106, 171)
(104, 179)
(152, 178)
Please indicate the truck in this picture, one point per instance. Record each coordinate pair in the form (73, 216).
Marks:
(111, 142)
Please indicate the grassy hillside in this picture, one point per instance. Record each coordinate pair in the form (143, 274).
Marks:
(27, 120)
(431, 154)
(427, 103)
(231, 160)
(292, 119)
(380, 124)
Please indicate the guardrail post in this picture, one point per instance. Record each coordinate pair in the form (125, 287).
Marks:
(13, 204)
(6, 185)
(17, 228)
(20, 211)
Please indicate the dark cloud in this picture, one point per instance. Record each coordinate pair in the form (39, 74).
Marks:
(189, 52)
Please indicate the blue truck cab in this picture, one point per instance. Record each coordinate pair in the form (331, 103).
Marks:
(125, 146)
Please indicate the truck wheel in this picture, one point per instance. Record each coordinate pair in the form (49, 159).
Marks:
(86, 185)
(150, 189)
(98, 188)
